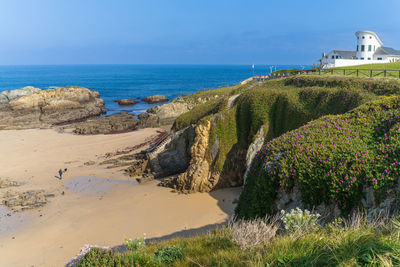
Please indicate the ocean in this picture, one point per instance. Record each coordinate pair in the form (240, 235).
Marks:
(132, 81)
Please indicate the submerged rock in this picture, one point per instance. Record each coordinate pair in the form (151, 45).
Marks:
(115, 123)
(34, 108)
(155, 99)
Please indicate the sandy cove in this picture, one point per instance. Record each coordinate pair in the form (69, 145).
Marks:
(93, 210)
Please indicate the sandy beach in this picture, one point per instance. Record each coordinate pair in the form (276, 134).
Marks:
(99, 206)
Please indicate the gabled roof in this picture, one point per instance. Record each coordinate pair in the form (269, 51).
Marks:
(346, 54)
(387, 51)
(372, 33)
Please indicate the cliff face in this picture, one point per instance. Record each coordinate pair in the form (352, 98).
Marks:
(35, 108)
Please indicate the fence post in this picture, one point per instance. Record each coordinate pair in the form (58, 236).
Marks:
(319, 72)
(344, 72)
(384, 73)
(357, 72)
(399, 74)
(370, 73)
(332, 71)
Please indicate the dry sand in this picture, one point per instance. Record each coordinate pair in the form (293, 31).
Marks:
(100, 206)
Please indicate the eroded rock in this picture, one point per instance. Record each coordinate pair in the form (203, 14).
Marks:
(155, 99)
(24, 200)
(126, 102)
(34, 108)
(115, 123)
(5, 183)
(163, 115)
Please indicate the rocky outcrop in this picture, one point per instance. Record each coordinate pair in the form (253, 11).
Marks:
(163, 115)
(155, 99)
(5, 183)
(253, 150)
(196, 178)
(174, 156)
(34, 108)
(115, 123)
(24, 200)
(7, 96)
(126, 102)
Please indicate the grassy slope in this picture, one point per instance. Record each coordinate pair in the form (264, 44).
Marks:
(364, 245)
(277, 108)
(393, 70)
(330, 159)
(382, 66)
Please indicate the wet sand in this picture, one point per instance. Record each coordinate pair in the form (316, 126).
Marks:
(99, 206)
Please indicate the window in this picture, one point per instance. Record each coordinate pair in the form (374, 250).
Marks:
(379, 58)
(362, 58)
(369, 58)
(357, 47)
(370, 37)
(337, 56)
(363, 37)
(333, 57)
(370, 48)
(362, 48)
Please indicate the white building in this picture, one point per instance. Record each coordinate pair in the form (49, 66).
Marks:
(370, 50)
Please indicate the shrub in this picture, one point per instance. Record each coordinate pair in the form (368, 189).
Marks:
(298, 220)
(331, 160)
(134, 244)
(251, 233)
(169, 254)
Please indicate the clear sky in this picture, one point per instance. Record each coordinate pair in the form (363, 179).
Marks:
(188, 31)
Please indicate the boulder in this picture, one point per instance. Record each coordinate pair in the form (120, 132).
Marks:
(34, 108)
(126, 102)
(155, 99)
(115, 123)
(163, 115)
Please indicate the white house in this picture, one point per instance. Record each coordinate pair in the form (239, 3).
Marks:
(370, 50)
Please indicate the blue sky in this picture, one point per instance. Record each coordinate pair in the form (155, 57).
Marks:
(187, 31)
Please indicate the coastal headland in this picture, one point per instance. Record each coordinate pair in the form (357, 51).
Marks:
(60, 190)
(178, 169)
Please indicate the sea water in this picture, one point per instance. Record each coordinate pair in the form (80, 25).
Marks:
(132, 81)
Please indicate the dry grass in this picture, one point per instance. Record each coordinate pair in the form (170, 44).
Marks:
(248, 234)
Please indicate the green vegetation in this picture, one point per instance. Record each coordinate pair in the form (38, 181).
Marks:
(383, 66)
(200, 111)
(277, 108)
(331, 160)
(367, 70)
(211, 94)
(376, 86)
(340, 243)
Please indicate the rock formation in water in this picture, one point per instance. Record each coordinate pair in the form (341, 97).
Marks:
(126, 102)
(34, 108)
(155, 99)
